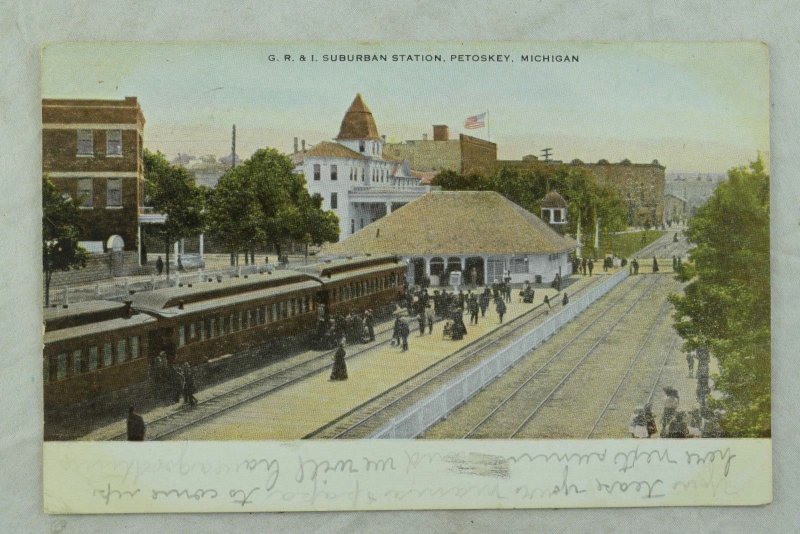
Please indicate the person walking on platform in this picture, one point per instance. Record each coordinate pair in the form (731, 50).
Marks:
(501, 308)
(421, 322)
(429, 316)
(583, 266)
(671, 402)
(484, 301)
(472, 303)
(188, 386)
(135, 424)
(565, 300)
(404, 332)
(159, 266)
(655, 265)
(339, 371)
(396, 332)
(590, 265)
(690, 362)
(369, 322)
(650, 420)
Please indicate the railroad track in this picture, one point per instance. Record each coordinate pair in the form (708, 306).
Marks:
(653, 329)
(528, 384)
(175, 422)
(366, 418)
(171, 423)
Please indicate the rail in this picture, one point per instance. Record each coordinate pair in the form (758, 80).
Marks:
(428, 411)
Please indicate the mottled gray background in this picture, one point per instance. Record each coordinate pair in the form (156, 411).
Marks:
(25, 26)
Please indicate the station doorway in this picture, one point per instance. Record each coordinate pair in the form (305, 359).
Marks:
(474, 274)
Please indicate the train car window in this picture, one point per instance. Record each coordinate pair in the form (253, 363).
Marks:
(233, 327)
(122, 346)
(274, 316)
(92, 363)
(181, 335)
(46, 369)
(108, 354)
(284, 309)
(61, 366)
(77, 362)
(192, 330)
(202, 325)
(212, 327)
(135, 346)
(249, 318)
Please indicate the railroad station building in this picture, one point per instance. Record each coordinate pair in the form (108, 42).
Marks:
(353, 175)
(480, 234)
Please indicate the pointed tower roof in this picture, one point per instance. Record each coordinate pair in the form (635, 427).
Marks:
(358, 122)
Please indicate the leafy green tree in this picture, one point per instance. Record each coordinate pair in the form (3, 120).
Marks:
(171, 190)
(726, 305)
(264, 200)
(60, 229)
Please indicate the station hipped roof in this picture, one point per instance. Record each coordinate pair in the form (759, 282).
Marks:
(456, 223)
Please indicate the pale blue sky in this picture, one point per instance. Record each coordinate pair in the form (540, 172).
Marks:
(698, 106)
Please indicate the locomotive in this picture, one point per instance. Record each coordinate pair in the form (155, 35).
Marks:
(100, 348)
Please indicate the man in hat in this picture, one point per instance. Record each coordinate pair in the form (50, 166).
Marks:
(136, 428)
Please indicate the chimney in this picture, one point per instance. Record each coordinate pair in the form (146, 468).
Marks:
(127, 313)
(441, 132)
(304, 145)
(383, 138)
(295, 145)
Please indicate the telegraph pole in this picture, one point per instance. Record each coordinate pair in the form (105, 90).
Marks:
(546, 153)
(233, 148)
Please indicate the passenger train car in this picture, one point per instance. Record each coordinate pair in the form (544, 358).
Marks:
(99, 348)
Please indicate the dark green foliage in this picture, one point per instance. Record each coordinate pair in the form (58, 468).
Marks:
(264, 201)
(60, 228)
(726, 306)
(171, 190)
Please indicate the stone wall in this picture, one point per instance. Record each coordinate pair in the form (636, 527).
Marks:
(99, 267)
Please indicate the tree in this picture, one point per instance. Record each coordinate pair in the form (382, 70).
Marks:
(60, 228)
(590, 203)
(264, 200)
(726, 305)
(171, 190)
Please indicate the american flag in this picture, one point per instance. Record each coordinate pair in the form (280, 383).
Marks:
(475, 122)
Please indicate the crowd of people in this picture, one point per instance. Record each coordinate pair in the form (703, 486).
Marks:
(701, 422)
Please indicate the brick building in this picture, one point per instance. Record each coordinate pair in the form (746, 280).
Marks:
(93, 151)
(465, 155)
(640, 184)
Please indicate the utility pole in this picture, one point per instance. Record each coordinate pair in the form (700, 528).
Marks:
(546, 153)
(233, 148)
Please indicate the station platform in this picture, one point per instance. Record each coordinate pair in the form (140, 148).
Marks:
(299, 409)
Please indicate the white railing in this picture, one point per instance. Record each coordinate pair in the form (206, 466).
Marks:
(430, 410)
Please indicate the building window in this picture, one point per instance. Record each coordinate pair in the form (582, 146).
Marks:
(92, 363)
(85, 193)
(334, 173)
(135, 346)
(334, 201)
(556, 215)
(352, 226)
(77, 362)
(181, 336)
(61, 366)
(113, 142)
(362, 146)
(114, 192)
(122, 352)
(362, 223)
(519, 265)
(108, 354)
(316, 171)
(85, 143)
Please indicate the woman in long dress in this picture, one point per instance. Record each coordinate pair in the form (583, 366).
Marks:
(339, 371)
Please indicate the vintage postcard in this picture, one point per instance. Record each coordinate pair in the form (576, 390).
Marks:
(340, 276)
